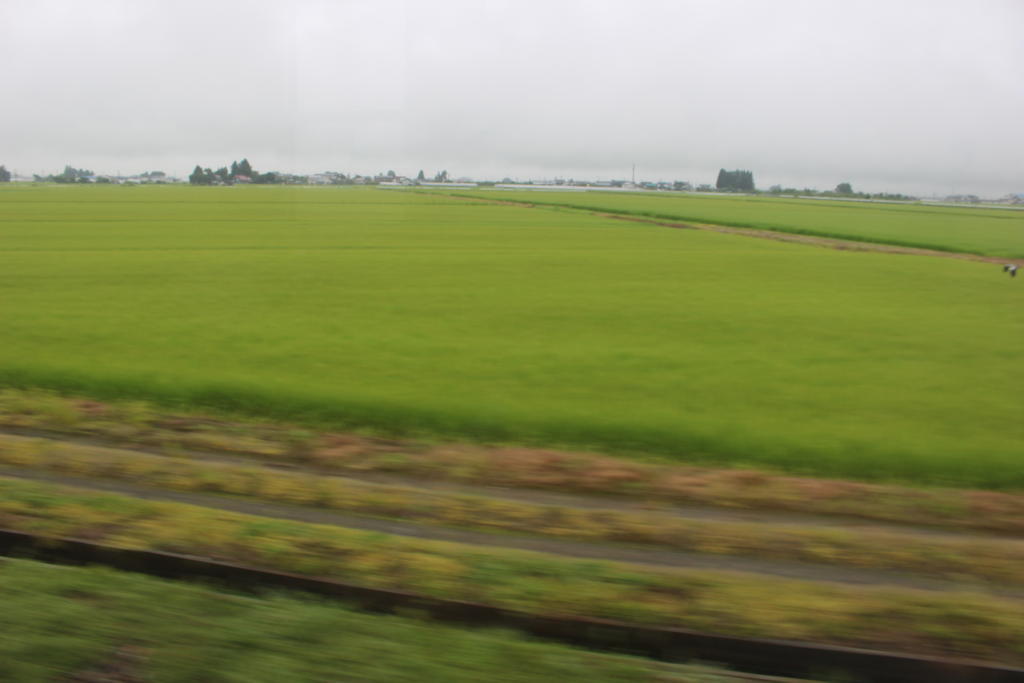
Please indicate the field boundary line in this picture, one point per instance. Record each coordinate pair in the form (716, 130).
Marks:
(760, 233)
(773, 657)
(810, 240)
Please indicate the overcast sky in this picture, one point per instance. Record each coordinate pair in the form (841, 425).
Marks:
(899, 95)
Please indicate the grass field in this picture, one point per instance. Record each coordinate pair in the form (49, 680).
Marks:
(991, 232)
(423, 314)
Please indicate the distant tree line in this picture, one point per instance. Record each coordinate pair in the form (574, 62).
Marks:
(843, 189)
(243, 172)
(5, 175)
(964, 198)
(70, 174)
(239, 172)
(735, 181)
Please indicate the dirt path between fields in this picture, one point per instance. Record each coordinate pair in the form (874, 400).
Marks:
(812, 240)
(410, 486)
(389, 481)
(759, 233)
(614, 552)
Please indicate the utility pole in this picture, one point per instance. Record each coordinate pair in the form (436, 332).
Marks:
(634, 174)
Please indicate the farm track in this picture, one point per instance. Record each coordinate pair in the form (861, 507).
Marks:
(538, 476)
(811, 240)
(645, 554)
(618, 552)
(759, 233)
(582, 501)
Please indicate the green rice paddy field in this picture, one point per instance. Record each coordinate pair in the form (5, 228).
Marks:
(410, 313)
(988, 231)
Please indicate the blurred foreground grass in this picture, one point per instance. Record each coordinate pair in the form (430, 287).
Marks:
(75, 624)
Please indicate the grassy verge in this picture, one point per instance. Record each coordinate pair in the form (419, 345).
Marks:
(88, 625)
(964, 624)
(136, 423)
(994, 560)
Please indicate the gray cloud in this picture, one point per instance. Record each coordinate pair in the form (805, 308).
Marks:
(917, 96)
